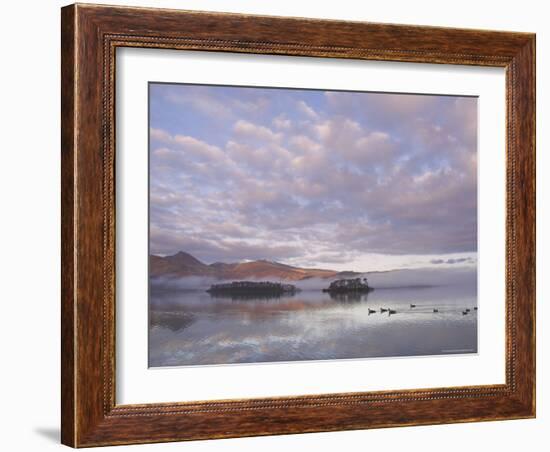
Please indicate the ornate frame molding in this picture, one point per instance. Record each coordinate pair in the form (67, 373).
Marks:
(90, 37)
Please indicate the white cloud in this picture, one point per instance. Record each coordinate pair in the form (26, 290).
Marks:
(307, 110)
(186, 144)
(304, 143)
(249, 129)
(355, 181)
(159, 134)
(282, 122)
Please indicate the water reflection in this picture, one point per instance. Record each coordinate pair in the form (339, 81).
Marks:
(351, 297)
(191, 327)
(173, 320)
(249, 297)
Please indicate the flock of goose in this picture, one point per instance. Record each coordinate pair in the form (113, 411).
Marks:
(412, 306)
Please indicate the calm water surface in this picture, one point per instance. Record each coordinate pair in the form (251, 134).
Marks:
(192, 328)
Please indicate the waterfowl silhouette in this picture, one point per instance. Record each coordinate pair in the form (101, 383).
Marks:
(371, 311)
(436, 310)
(413, 306)
(391, 311)
(383, 310)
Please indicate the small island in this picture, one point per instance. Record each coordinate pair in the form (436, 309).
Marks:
(354, 285)
(252, 288)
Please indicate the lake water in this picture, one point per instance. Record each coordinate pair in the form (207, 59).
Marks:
(189, 327)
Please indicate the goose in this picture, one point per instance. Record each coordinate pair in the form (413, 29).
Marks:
(436, 310)
(383, 310)
(468, 310)
(475, 308)
(391, 311)
(371, 311)
(464, 312)
(413, 306)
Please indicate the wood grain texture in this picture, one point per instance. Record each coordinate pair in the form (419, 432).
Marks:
(90, 36)
(68, 147)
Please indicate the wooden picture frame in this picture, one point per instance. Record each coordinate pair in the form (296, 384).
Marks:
(90, 36)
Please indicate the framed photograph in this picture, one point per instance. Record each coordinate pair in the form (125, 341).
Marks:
(281, 225)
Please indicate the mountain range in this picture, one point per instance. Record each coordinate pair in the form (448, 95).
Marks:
(184, 264)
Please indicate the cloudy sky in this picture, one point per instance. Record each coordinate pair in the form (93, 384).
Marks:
(328, 179)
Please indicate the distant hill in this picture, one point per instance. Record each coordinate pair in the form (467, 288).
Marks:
(184, 264)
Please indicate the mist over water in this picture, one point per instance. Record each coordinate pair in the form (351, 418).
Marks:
(188, 326)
